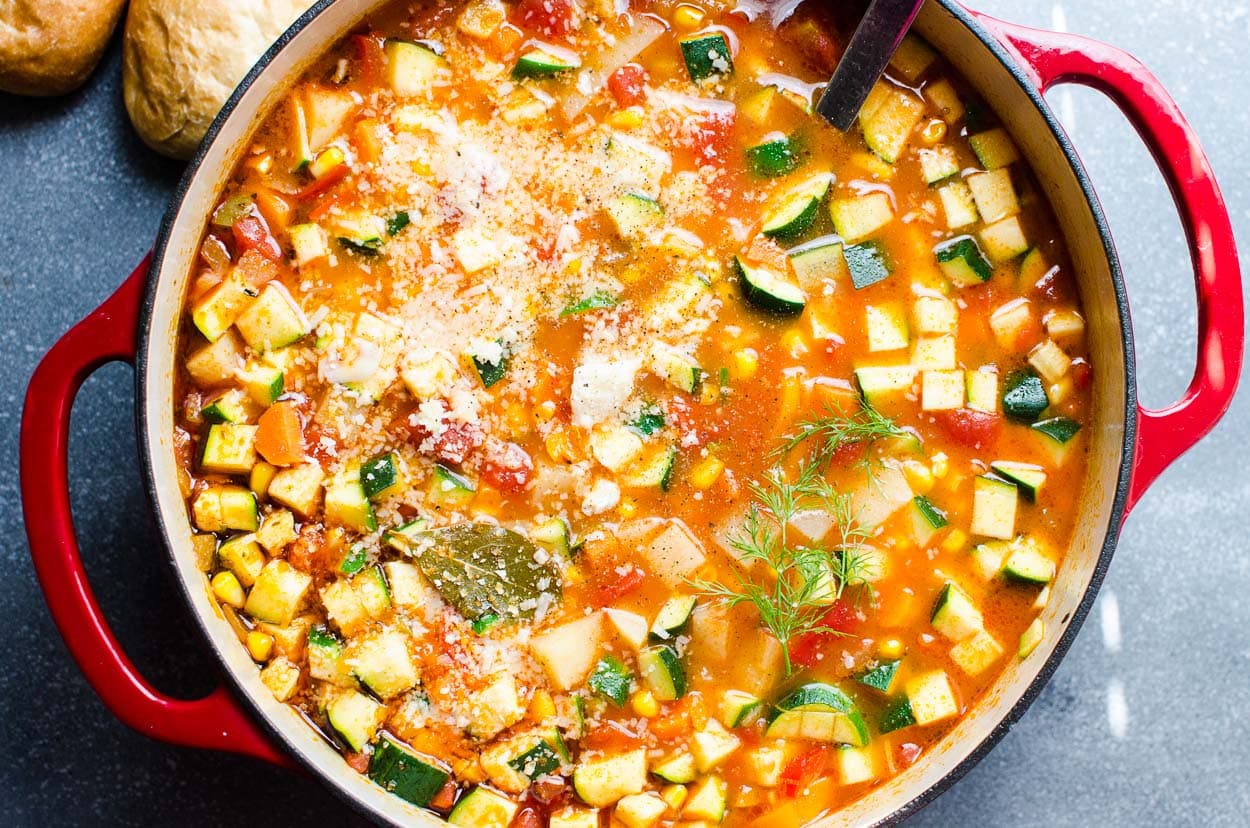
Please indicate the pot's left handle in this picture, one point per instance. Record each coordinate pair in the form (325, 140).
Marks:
(216, 721)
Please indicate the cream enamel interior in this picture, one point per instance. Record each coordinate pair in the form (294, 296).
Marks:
(1077, 216)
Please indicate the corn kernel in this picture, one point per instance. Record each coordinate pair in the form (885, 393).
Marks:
(560, 447)
(933, 131)
(709, 394)
(259, 645)
(955, 541)
(644, 704)
(627, 507)
(630, 118)
(674, 795)
(891, 648)
(542, 706)
(745, 363)
(544, 411)
(918, 476)
(517, 419)
(940, 465)
(707, 472)
(688, 17)
(1059, 392)
(262, 475)
(228, 589)
(794, 342)
(469, 770)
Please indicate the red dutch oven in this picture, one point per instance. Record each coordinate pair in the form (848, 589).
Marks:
(1009, 65)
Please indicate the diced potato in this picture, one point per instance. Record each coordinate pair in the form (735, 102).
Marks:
(1050, 361)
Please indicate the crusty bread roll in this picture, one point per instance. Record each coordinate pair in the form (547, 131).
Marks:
(49, 47)
(183, 58)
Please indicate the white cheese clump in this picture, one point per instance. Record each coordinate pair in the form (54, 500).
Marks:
(600, 388)
(603, 495)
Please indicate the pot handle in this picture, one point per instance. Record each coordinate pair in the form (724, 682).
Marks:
(216, 721)
(1163, 434)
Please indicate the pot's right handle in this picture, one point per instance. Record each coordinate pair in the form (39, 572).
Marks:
(216, 721)
(1163, 434)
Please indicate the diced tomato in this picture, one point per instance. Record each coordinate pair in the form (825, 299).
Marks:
(711, 137)
(306, 552)
(445, 798)
(813, 40)
(907, 754)
(250, 233)
(621, 584)
(803, 770)
(369, 57)
(968, 427)
(357, 762)
(323, 183)
(550, 17)
(279, 435)
(527, 817)
(1027, 335)
(807, 649)
(628, 85)
(365, 138)
(1082, 372)
(508, 469)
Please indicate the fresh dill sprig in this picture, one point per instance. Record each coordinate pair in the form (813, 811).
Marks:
(790, 595)
(837, 429)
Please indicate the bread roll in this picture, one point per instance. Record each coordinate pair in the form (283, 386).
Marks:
(183, 58)
(49, 47)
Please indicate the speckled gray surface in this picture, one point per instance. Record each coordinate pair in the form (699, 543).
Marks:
(1171, 630)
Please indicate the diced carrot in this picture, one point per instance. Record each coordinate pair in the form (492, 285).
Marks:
(368, 147)
(276, 209)
(323, 183)
(279, 435)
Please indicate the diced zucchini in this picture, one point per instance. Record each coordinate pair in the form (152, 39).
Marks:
(737, 709)
(954, 614)
(278, 593)
(962, 262)
(662, 672)
(1024, 397)
(492, 366)
(264, 383)
(994, 194)
(769, 291)
(855, 765)
(475, 250)
(574, 817)
(994, 503)
(277, 530)
(878, 385)
(866, 263)
(611, 679)
(889, 125)
(792, 214)
(233, 406)
(615, 447)
(569, 652)
(817, 260)
(941, 390)
(329, 159)
(218, 362)
(495, 708)
(858, 217)
(483, 808)
(634, 214)
(229, 448)
(221, 306)
(945, 100)
(707, 55)
(604, 780)
(298, 488)
(1028, 477)
(325, 658)
(642, 810)
(886, 326)
(309, 243)
(982, 388)
(673, 617)
(675, 368)
(407, 586)
(382, 662)
(935, 353)
(1027, 564)
(382, 476)
(347, 505)
(677, 768)
(1056, 435)
(405, 773)
(926, 520)
(242, 556)
(222, 508)
(931, 698)
(708, 800)
(273, 321)
(1049, 360)
(994, 148)
(938, 164)
(449, 488)
(541, 752)
(545, 62)
(355, 717)
(977, 653)
(820, 712)
(653, 471)
(896, 716)
(881, 677)
(912, 57)
(987, 558)
(958, 205)
(373, 591)
(1004, 240)
(411, 68)
(1031, 637)
(776, 156)
(1061, 325)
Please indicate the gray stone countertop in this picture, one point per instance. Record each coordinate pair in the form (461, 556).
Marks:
(1170, 632)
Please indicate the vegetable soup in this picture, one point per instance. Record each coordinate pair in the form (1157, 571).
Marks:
(579, 431)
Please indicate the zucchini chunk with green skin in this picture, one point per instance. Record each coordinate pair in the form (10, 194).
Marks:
(405, 773)
(220, 307)
(738, 708)
(382, 663)
(599, 300)
(954, 614)
(768, 290)
(381, 476)
(411, 68)
(678, 769)
(233, 406)
(649, 420)
(544, 756)
(1056, 435)
(489, 372)
(355, 717)
(881, 677)
(277, 594)
(662, 672)
(347, 505)
(889, 125)
(273, 321)
(483, 808)
(1024, 397)
(930, 697)
(927, 519)
(1027, 477)
(706, 56)
(817, 260)
(229, 448)
(994, 502)
(1031, 637)
(263, 383)
(673, 617)
(1028, 565)
(797, 210)
(712, 745)
(450, 488)
(611, 679)
(675, 368)
(634, 214)
(896, 716)
(867, 264)
(708, 800)
(545, 62)
(878, 384)
(654, 471)
(603, 781)
(222, 508)
(962, 261)
(242, 556)
(774, 157)
(820, 712)
(325, 658)
(938, 164)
